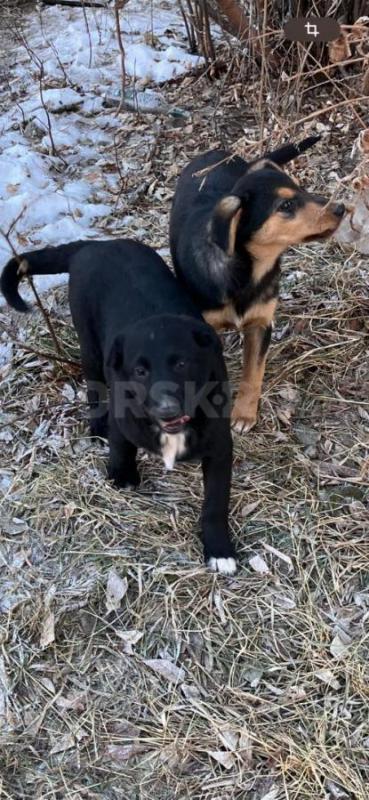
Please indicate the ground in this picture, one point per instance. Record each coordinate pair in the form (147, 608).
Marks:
(127, 671)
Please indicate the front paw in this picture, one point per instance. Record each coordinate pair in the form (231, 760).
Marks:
(241, 421)
(225, 566)
(124, 479)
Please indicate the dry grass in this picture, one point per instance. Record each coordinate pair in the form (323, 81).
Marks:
(263, 689)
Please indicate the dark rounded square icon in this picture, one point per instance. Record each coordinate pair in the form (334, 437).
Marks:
(312, 29)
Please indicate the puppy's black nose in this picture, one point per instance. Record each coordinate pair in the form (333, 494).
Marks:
(167, 408)
(339, 210)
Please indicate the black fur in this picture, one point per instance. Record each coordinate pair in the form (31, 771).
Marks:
(142, 337)
(231, 221)
(198, 234)
(265, 342)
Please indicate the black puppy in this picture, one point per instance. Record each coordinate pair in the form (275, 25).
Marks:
(141, 335)
(230, 223)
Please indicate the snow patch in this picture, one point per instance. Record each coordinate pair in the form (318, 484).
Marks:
(54, 189)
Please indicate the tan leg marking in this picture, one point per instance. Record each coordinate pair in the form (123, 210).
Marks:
(245, 409)
(221, 318)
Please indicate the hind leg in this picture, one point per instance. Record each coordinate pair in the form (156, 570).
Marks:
(97, 394)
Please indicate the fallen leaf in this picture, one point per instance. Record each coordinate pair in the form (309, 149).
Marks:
(229, 738)
(223, 757)
(166, 668)
(288, 392)
(129, 638)
(75, 702)
(259, 565)
(218, 602)
(249, 508)
(326, 676)
(116, 588)
(47, 630)
(123, 752)
(284, 414)
(253, 675)
(64, 743)
(190, 692)
(245, 746)
(282, 601)
(69, 510)
(48, 684)
(339, 49)
(338, 648)
(14, 526)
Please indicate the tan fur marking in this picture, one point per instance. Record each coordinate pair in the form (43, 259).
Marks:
(264, 257)
(221, 318)
(245, 409)
(260, 314)
(255, 322)
(286, 192)
(226, 318)
(228, 206)
(278, 233)
(233, 232)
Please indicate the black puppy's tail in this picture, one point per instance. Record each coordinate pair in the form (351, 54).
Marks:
(289, 151)
(48, 261)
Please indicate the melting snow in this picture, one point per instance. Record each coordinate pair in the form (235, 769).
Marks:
(47, 193)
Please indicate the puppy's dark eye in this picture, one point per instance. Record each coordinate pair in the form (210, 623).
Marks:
(140, 371)
(287, 206)
(180, 364)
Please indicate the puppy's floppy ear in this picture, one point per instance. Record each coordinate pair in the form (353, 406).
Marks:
(115, 357)
(225, 221)
(205, 337)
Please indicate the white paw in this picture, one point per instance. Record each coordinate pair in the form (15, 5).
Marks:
(226, 566)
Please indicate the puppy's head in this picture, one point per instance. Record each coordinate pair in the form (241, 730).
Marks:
(268, 212)
(165, 365)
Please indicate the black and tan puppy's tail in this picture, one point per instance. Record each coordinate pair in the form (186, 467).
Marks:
(290, 151)
(48, 261)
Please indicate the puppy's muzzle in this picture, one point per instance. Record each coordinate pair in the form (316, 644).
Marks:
(169, 414)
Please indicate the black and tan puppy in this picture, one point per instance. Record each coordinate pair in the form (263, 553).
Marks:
(229, 226)
(141, 336)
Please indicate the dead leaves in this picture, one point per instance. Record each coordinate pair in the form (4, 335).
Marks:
(338, 648)
(166, 669)
(116, 588)
(354, 228)
(326, 676)
(129, 638)
(47, 636)
(339, 49)
(353, 43)
(237, 746)
(259, 565)
(48, 630)
(223, 757)
(123, 753)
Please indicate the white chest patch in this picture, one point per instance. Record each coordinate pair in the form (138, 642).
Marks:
(173, 445)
